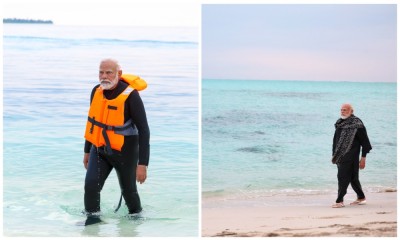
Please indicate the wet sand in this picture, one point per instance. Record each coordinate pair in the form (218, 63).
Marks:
(301, 216)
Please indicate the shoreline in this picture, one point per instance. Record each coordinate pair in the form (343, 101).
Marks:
(301, 216)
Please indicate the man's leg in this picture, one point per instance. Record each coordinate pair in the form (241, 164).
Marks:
(96, 174)
(125, 166)
(344, 178)
(355, 182)
(127, 180)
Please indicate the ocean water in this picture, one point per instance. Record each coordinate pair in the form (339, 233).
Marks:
(49, 72)
(266, 138)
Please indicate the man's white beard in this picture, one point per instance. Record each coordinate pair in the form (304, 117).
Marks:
(106, 84)
(344, 117)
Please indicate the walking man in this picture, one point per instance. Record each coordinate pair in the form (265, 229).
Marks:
(117, 137)
(350, 136)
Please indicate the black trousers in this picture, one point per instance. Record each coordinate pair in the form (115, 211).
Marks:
(99, 167)
(348, 173)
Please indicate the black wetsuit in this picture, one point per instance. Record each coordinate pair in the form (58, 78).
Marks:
(135, 151)
(348, 168)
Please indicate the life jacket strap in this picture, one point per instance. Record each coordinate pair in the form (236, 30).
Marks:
(127, 129)
(119, 204)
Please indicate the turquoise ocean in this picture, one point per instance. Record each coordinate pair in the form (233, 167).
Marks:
(274, 138)
(49, 72)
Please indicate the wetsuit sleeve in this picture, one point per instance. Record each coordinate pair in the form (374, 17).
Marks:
(364, 140)
(88, 144)
(138, 115)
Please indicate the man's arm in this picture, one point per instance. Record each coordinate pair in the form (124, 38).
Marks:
(365, 144)
(138, 115)
(364, 140)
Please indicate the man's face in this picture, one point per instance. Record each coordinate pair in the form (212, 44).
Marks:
(108, 75)
(345, 111)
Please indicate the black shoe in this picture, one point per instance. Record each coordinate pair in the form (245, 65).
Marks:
(92, 220)
(136, 212)
(134, 215)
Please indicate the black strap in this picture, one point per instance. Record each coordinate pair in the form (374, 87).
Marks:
(108, 144)
(119, 204)
(106, 127)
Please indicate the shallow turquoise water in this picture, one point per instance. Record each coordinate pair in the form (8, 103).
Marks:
(261, 138)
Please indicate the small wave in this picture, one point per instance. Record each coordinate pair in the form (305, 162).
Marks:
(146, 42)
(292, 192)
(213, 193)
(177, 94)
(381, 189)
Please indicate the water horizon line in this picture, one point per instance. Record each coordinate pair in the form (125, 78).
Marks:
(296, 80)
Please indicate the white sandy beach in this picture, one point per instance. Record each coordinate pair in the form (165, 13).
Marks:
(301, 216)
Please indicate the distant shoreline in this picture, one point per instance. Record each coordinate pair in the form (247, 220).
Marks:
(28, 21)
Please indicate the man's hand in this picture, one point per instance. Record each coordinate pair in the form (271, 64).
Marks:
(141, 173)
(362, 163)
(85, 160)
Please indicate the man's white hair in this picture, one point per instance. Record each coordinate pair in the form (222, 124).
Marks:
(348, 105)
(113, 61)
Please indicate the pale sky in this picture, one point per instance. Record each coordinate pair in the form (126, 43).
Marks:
(107, 12)
(299, 42)
(341, 42)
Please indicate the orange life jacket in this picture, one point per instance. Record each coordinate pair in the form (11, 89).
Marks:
(135, 81)
(105, 126)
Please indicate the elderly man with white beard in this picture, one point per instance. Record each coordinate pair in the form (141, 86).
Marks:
(350, 136)
(117, 136)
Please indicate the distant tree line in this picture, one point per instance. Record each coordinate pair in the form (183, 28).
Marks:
(17, 20)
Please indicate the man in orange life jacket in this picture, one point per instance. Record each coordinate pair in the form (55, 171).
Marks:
(117, 136)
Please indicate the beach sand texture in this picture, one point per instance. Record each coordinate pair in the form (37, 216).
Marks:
(222, 218)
